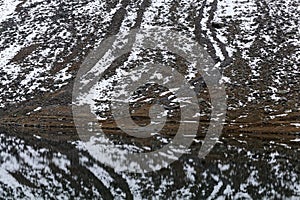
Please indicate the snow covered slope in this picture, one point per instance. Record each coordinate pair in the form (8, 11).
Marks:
(255, 44)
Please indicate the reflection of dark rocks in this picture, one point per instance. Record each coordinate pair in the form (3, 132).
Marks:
(44, 166)
(217, 25)
(76, 179)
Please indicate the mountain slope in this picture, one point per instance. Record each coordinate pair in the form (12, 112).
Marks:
(255, 45)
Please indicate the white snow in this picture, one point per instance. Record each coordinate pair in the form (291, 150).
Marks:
(296, 124)
(37, 109)
(7, 7)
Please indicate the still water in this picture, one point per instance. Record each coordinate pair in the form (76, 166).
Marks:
(53, 164)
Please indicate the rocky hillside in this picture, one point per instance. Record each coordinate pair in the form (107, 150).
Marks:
(255, 44)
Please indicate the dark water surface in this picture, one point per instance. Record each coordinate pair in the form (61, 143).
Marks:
(53, 164)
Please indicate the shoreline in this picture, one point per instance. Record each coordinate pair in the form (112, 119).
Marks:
(265, 129)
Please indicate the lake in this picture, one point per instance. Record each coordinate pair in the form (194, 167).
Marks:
(53, 164)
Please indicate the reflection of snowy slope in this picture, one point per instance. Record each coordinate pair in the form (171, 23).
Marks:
(29, 169)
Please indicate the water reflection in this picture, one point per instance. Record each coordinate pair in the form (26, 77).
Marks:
(55, 164)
